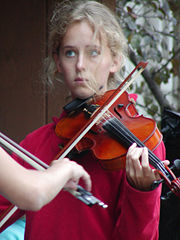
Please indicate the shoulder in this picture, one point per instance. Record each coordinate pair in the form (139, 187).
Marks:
(42, 135)
(39, 133)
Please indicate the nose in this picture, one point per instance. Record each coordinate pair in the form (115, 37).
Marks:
(80, 65)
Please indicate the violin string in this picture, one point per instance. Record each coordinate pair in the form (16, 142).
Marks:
(130, 138)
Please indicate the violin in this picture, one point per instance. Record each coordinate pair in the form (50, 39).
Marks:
(113, 133)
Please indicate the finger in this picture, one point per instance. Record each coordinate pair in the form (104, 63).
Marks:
(80, 173)
(133, 170)
(134, 157)
(128, 156)
(87, 180)
(144, 158)
(71, 184)
(132, 147)
(147, 170)
(156, 174)
(166, 162)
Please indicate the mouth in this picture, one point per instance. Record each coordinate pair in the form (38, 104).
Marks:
(79, 79)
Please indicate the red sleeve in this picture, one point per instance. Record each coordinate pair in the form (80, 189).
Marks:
(138, 211)
(134, 96)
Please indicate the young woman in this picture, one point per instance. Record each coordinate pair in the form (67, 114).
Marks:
(87, 50)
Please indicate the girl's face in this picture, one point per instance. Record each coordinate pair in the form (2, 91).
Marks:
(84, 62)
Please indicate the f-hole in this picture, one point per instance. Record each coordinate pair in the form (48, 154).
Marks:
(119, 106)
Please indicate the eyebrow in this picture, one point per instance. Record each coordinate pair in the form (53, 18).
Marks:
(87, 46)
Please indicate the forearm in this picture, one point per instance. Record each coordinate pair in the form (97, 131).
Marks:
(30, 189)
(139, 210)
(139, 215)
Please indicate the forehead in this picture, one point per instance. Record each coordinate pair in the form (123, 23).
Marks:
(82, 32)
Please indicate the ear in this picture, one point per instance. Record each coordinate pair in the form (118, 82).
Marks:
(116, 64)
(56, 59)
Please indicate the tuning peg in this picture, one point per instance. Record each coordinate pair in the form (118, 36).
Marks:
(176, 165)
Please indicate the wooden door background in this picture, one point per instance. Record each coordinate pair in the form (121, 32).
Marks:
(24, 102)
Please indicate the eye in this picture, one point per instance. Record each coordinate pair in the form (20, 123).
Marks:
(70, 53)
(94, 52)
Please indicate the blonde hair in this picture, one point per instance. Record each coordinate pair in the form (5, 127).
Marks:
(99, 17)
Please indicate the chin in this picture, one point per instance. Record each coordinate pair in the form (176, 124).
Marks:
(82, 94)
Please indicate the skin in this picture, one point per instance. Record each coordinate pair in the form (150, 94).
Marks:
(81, 54)
(31, 189)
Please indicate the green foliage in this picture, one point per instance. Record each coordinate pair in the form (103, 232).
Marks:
(149, 28)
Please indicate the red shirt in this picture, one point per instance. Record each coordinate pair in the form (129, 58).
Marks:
(131, 214)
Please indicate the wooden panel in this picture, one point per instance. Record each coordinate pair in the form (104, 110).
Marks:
(22, 98)
(56, 98)
(24, 105)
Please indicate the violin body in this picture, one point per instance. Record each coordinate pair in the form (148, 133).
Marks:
(108, 148)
